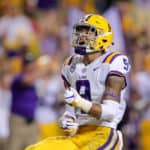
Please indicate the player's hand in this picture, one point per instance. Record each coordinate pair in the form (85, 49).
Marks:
(71, 97)
(68, 124)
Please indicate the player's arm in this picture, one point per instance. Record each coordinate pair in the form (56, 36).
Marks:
(68, 119)
(111, 97)
(64, 72)
(110, 102)
(66, 84)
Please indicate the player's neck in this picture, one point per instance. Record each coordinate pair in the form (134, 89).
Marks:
(90, 58)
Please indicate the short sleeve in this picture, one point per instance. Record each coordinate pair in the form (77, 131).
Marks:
(120, 65)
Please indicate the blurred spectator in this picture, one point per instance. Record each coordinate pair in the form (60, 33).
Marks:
(49, 30)
(103, 5)
(23, 128)
(49, 89)
(131, 128)
(142, 3)
(143, 105)
(47, 4)
(16, 29)
(5, 102)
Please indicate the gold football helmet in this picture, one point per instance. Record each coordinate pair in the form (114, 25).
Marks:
(91, 34)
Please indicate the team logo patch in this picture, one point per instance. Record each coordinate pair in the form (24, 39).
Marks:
(84, 70)
(94, 69)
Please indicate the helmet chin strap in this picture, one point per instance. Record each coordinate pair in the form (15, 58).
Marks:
(82, 51)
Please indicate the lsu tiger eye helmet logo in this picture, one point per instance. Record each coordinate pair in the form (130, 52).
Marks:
(91, 34)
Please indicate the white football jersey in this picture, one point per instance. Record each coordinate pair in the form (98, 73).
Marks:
(89, 80)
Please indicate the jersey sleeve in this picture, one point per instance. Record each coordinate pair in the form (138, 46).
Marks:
(120, 65)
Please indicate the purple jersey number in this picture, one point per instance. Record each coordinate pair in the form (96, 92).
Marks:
(126, 63)
(83, 88)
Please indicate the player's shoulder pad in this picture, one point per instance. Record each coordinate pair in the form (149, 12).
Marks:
(118, 62)
(74, 59)
(109, 58)
(68, 60)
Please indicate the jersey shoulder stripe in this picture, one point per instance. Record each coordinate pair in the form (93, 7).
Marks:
(109, 58)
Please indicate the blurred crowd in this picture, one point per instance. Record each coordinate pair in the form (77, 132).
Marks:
(35, 39)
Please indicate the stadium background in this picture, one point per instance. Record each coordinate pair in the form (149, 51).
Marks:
(43, 28)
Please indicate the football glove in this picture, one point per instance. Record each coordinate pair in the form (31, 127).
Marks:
(72, 98)
(68, 124)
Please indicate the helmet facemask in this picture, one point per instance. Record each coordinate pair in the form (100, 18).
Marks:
(84, 38)
(87, 39)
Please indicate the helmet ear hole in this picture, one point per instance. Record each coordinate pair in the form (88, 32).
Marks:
(104, 41)
(101, 47)
(93, 29)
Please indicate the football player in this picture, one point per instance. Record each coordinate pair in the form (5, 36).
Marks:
(95, 81)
